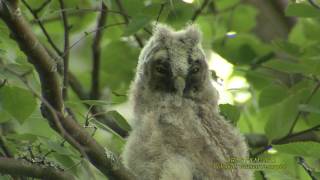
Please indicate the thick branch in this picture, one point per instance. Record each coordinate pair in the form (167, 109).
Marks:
(23, 168)
(51, 92)
(80, 91)
(35, 15)
(36, 53)
(84, 95)
(96, 52)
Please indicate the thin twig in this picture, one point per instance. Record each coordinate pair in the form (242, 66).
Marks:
(42, 6)
(82, 94)
(160, 11)
(308, 170)
(35, 15)
(55, 115)
(65, 57)
(5, 149)
(291, 138)
(71, 12)
(3, 83)
(262, 151)
(126, 20)
(51, 91)
(86, 34)
(314, 4)
(97, 9)
(199, 11)
(8, 154)
(314, 91)
(263, 175)
(96, 53)
(229, 25)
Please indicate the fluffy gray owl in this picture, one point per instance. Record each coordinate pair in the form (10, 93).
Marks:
(178, 133)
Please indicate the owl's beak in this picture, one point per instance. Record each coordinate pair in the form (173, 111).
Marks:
(179, 84)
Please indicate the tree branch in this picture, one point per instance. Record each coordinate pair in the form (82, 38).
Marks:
(72, 12)
(77, 87)
(314, 91)
(302, 162)
(8, 154)
(198, 11)
(159, 13)
(86, 34)
(126, 19)
(35, 15)
(6, 151)
(305, 135)
(314, 4)
(23, 168)
(260, 140)
(42, 6)
(96, 52)
(65, 50)
(51, 92)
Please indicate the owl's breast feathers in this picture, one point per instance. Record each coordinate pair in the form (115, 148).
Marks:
(197, 125)
(196, 131)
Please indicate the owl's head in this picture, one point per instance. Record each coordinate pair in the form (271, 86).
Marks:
(173, 62)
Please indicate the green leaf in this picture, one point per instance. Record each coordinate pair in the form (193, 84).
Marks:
(108, 3)
(118, 67)
(115, 144)
(309, 108)
(66, 162)
(231, 112)
(20, 68)
(241, 50)
(226, 4)
(281, 118)
(245, 20)
(23, 137)
(313, 65)
(302, 10)
(18, 102)
(55, 146)
(257, 79)
(136, 24)
(142, 19)
(307, 149)
(2, 51)
(159, 1)
(4, 116)
(120, 120)
(288, 47)
(288, 66)
(272, 95)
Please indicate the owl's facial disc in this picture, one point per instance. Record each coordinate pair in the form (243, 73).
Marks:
(176, 70)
